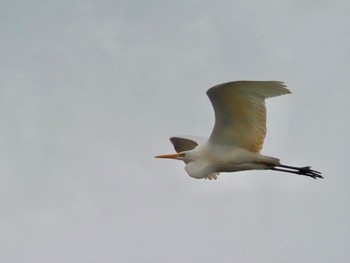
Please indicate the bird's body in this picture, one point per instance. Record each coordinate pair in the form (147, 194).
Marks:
(238, 134)
(207, 160)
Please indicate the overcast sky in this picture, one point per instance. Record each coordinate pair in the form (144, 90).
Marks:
(92, 90)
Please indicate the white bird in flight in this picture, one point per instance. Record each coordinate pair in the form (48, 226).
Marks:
(238, 134)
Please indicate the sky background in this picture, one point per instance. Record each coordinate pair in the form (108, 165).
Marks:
(90, 91)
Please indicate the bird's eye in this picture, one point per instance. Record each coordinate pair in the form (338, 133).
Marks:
(182, 154)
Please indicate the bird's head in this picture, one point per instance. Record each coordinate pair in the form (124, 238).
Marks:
(183, 156)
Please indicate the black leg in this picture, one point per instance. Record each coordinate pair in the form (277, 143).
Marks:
(307, 171)
(306, 168)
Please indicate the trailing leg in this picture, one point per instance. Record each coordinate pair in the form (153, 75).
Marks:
(307, 171)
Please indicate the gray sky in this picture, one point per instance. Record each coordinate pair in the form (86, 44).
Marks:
(92, 90)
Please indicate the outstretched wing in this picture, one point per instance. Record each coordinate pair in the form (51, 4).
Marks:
(240, 112)
(183, 144)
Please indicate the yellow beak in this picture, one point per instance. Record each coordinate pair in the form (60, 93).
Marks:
(168, 156)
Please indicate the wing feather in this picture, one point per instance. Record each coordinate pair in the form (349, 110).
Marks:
(183, 144)
(240, 112)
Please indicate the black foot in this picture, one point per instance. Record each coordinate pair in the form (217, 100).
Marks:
(307, 171)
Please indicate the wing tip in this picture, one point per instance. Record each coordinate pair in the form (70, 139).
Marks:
(173, 139)
(183, 144)
(278, 84)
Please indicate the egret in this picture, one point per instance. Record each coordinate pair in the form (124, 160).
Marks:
(238, 134)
